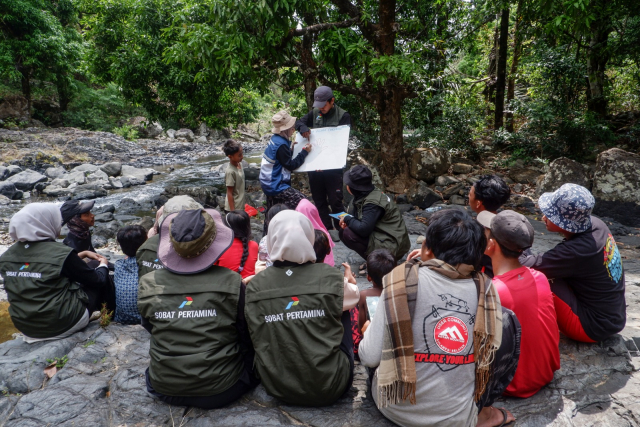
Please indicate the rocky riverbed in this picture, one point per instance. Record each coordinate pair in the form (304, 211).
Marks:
(102, 382)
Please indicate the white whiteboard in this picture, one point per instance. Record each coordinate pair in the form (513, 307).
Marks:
(329, 148)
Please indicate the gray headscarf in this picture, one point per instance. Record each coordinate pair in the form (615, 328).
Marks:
(291, 238)
(287, 133)
(36, 222)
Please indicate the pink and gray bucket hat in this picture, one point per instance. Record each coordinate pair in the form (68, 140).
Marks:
(569, 207)
(192, 240)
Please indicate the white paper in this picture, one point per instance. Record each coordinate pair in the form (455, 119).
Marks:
(328, 148)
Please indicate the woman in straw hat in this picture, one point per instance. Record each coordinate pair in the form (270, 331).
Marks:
(277, 163)
(201, 354)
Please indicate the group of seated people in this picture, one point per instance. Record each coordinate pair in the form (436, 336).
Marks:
(225, 313)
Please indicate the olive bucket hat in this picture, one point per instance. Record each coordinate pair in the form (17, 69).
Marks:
(192, 240)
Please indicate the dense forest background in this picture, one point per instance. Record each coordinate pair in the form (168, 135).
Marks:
(537, 79)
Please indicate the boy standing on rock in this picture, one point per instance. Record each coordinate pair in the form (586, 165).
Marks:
(234, 176)
(585, 269)
(526, 292)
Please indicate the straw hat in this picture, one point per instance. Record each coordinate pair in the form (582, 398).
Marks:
(282, 121)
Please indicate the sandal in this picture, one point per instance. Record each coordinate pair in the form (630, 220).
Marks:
(505, 415)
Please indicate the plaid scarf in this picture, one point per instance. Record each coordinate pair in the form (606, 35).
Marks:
(78, 227)
(397, 371)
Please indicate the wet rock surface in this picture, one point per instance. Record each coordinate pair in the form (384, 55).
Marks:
(102, 384)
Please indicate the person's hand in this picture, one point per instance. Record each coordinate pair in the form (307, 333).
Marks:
(342, 224)
(307, 148)
(351, 278)
(365, 326)
(414, 254)
(90, 255)
(248, 279)
(306, 134)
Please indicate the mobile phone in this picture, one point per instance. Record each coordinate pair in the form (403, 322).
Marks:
(372, 305)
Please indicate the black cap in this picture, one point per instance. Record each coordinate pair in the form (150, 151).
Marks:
(359, 178)
(71, 208)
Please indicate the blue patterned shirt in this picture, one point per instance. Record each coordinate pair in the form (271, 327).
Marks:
(126, 282)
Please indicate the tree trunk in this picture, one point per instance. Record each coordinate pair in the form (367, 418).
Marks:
(517, 52)
(26, 87)
(64, 92)
(491, 72)
(394, 169)
(597, 58)
(501, 77)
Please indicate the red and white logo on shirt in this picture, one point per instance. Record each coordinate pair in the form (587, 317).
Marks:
(451, 334)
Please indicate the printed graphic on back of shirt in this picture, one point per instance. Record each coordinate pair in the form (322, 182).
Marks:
(448, 342)
(612, 259)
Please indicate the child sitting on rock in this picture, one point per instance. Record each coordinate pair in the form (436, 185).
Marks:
(379, 263)
(130, 238)
(585, 269)
(322, 248)
(242, 255)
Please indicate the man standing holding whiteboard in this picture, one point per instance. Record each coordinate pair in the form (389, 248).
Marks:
(326, 185)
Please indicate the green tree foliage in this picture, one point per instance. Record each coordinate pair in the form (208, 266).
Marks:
(128, 40)
(381, 52)
(38, 41)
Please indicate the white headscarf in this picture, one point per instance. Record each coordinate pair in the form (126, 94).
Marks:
(36, 222)
(291, 238)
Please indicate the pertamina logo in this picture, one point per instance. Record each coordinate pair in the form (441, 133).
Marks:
(26, 265)
(294, 301)
(187, 301)
(451, 334)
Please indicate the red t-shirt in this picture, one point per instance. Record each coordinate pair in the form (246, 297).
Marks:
(231, 258)
(526, 292)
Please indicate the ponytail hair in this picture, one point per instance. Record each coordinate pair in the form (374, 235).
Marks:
(240, 223)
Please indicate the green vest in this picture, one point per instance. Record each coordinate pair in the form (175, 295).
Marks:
(390, 231)
(147, 256)
(43, 304)
(320, 121)
(293, 314)
(194, 346)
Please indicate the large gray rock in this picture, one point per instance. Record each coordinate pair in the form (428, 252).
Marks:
(185, 134)
(88, 191)
(617, 176)
(4, 173)
(8, 189)
(60, 182)
(56, 191)
(14, 169)
(145, 174)
(87, 167)
(112, 168)
(251, 173)
(4, 200)
(171, 133)
(54, 173)
(98, 178)
(26, 180)
(426, 164)
(420, 195)
(77, 177)
(144, 128)
(205, 195)
(461, 168)
(108, 230)
(115, 183)
(528, 175)
(563, 171)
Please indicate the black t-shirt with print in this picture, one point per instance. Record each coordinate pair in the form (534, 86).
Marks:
(591, 264)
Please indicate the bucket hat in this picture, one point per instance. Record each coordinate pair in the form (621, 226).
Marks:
(282, 121)
(569, 207)
(192, 240)
(359, 178)
(71, 208)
